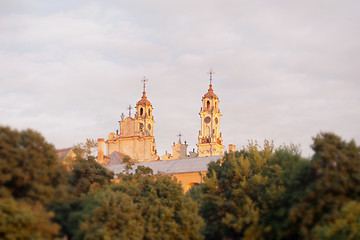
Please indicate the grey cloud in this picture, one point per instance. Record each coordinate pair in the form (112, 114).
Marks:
(284, 70)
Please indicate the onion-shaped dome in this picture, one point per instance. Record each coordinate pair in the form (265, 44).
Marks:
(210, 94)
(143, 101)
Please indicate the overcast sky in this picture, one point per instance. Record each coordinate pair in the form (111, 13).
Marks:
(284, 70)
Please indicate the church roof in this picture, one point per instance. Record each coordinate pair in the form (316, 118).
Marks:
(62, 153)
(116, 158)
(185, 165)
(210, 93)
(143, 101)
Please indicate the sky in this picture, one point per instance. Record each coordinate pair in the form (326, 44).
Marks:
(284, 70)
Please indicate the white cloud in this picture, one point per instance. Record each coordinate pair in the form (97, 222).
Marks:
(284, 70)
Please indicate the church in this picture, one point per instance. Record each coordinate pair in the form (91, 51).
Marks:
(135, 139)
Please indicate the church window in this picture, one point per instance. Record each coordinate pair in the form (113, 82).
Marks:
(141, 111)
(208, 104)
(207, 132)
(141, 126)
(149, 126)
(216, 120)
(149, 112)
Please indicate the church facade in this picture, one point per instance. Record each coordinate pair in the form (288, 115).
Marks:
(136, 137)
(136, 141)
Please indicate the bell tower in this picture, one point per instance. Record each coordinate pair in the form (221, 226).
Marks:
(136, 139)
(210, 141)
(143, 115)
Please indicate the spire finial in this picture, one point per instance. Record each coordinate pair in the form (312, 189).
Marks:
(144, 82)
(122, 116)
(179, 135)
(129, 108)
(211, 73)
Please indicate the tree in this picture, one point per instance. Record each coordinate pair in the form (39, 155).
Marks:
(79, 151)
(28, 166)
(87, 173)
(292, 173)
(139, 206)
(84, 150)
(323, 189)
(241, 189)
(112, 215)
(21, 220)
(346, 225)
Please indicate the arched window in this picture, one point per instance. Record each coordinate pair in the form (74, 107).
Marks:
(207, 131)
(208, 104)
(149, 112)
(141, 111)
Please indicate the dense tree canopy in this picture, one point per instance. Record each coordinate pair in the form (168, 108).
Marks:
(21, 220)
(260, 192)
(87, 173)
(345, 226)
(30, 178)
(140, 206)
(28, 166)
(323, 190)
(267, 193)
(242, 188)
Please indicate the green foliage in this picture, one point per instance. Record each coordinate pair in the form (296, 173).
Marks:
(331, 181)
(113, 215)
(140, 206)
(84, 150)
(143, 170)
(256, 193)
(274, 194)
(87, 173)
(195, 193)
(129, 164)
(21, 220)
(28, 166)
(346, 225)
(242, 188)
(66, 215)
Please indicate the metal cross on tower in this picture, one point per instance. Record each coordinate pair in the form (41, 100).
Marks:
(144, 82)
(211, 73)
(122, 116)
(129, 108)
(179, 135)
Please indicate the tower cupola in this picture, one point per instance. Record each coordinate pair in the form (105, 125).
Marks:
(210, 141)
(143, 101)
(210, 94)
(144, 115)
